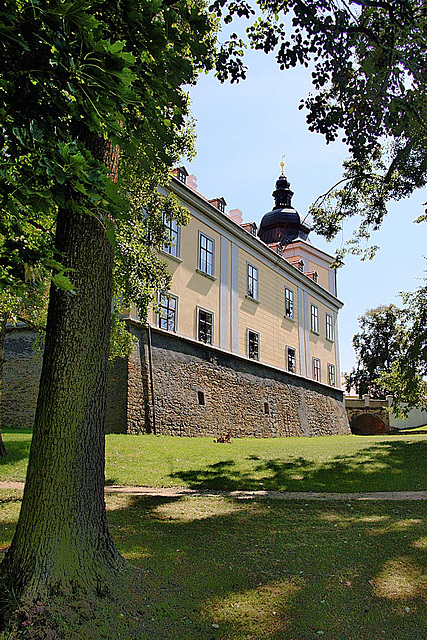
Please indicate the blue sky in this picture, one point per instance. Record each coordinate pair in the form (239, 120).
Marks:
(242, 132)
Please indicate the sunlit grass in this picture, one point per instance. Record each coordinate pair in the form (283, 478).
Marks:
(325, 464)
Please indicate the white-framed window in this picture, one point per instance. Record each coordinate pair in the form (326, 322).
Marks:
(331, 374)
(329, 327)
(314, 319)
(253, 345)
(289, 303)
(291, 359)
(316, 369)
(168, 311)
(221, 206)
(172, 232)
(206, 254)
(315, 276)
(204, 326)
(301, 265)
(251, 281)
(182, 176)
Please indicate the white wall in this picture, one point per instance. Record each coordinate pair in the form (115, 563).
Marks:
(416, 418)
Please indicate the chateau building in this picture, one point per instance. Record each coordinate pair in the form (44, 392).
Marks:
(245, 339)
(247, 336)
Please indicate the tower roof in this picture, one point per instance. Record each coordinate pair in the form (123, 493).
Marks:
(283, 223)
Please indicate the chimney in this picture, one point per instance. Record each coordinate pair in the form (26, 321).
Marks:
(236, 215)
(192, 182)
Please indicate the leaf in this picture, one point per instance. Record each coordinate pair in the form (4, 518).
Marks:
(62, 282)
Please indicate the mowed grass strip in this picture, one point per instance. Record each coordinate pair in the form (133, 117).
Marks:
(326, 464)
(218, 568)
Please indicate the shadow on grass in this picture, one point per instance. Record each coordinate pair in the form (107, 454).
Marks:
(221, 568)
(218, 568)
(386, 466)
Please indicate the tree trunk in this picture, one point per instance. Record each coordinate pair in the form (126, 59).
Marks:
(62, 538)
(3, 323)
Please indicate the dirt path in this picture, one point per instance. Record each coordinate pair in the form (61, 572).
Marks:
(178, 492)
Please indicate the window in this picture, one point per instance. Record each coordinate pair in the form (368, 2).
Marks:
(301, 265)
(201, 398)
(315, 276)
(168, 305)
(206, 254)
(329, 327)
(331, 375)
(291, 359)
(252, 282)
(289, 303)
(221, 206)
(314, 318)
(253, 345)
(204, 326)
(181, 176)
(171, 245)
(266, 408)
(316, 369)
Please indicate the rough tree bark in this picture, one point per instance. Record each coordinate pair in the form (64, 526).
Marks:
(3, 323)
(62, 538)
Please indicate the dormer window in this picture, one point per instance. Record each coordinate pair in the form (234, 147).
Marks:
(219, 203)
(301, 265)
(315, 276)
(181, 176)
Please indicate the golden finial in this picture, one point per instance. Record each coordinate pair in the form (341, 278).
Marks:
(282, 164)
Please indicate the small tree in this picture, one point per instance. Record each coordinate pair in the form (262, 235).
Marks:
(406, 380)
(379, 344)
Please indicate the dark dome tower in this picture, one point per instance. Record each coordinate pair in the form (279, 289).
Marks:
(282, 224)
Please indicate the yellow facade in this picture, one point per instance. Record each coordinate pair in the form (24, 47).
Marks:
(223, 293)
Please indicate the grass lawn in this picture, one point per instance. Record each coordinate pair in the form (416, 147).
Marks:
(328, 464)
(217, 568)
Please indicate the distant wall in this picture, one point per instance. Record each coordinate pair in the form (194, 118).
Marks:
(358, 407)
(201, 390)
(416, 418)
(21, 377)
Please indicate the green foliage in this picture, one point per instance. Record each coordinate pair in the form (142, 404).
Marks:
(77, 79)
(368, 65)
(406, 380)
(122, 342)
(138, 270)
(380, 343)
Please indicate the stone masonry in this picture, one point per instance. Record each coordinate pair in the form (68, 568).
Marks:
(21, 377)
(201, 390)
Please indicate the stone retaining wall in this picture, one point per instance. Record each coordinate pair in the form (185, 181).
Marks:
(200, 390)
(21, 377)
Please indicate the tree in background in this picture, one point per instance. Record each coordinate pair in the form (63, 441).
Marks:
(378, 346)
(406, 380)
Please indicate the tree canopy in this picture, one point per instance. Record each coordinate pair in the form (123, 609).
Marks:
(368, 65)
(406, 379)
(379, 344)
